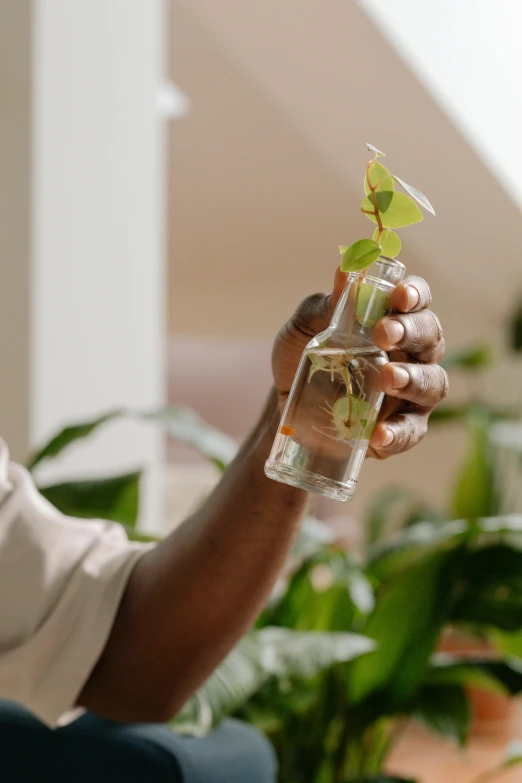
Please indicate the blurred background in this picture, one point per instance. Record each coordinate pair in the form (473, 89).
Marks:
(266, 180)
(175, 175)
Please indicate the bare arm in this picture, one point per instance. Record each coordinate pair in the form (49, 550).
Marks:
(190, 599)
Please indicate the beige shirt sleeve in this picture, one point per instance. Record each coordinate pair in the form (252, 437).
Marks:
(61, 582)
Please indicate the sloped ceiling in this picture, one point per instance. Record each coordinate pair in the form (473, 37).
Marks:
(266, 172)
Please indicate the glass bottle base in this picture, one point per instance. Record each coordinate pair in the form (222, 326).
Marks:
(311, 482)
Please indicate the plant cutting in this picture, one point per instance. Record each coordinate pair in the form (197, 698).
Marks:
(335, 398)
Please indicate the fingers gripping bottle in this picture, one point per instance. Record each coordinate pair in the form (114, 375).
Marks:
(335, 398)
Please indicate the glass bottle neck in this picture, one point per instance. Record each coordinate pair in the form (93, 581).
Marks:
(364, 301)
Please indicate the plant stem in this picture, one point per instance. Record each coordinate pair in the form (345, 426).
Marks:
(373, 199)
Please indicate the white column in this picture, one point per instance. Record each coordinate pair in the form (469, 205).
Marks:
(94, 285)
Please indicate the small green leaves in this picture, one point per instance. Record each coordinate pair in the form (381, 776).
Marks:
(383, 199)
(349, 413)
(360, 255)
(388, 208)
(390, 242)
(415, 193)
(401, 210)
(376, 152)
(378, 175)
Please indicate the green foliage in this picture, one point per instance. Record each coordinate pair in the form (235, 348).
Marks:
(444, 709)
(405, 625)
(379, 177)
(180, 422)
(389, 241)
(399, 210)
(332, 729)
(69, 435)
(472, 359)
(260, 657)
(114, 498)
(515, 329)
(502, 676)
(380, 200)
(360, 255)
(417, 194)
(475, 493)
(389, 209)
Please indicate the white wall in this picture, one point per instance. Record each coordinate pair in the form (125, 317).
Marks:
(97, 252)
(468, 54)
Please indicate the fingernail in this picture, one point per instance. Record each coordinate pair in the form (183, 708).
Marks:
(388, 437)
(394, 332)
(412, 297)
(385, 440)
(401, 377)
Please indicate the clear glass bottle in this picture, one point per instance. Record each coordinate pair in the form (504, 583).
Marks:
(335, 398)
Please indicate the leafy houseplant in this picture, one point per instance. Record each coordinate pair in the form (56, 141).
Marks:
(387, 208)
(344, 654)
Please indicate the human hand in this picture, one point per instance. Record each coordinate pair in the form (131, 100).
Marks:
(412, 336)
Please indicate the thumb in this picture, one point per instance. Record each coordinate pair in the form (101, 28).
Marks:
(314, 313)
(338, 287)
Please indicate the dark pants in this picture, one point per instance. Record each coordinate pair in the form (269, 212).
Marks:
(92, 750)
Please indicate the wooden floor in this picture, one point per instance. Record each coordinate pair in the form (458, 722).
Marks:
(428, 759)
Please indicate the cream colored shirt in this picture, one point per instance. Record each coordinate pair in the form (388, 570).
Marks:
(61, 581)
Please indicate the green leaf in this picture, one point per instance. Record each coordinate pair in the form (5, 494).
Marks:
(371, 304)
(180, 422)
(513, 754)
(187, 426)
(490, 587)
(507, 643)
(401, 211)
(515, 329)
(382, 197)
(373, 149)
(475, 493)
(279, 653)
(390, 242)
(303, 654)
(444, 709)
(378, 174)
(234, 681)
(404, 625)
(503, 677)
(343, 249)
(69, 435)
(114, 498)
(416, 545)
(349, 413)
(417, 194)
(360, 255)
(360, 591)
(472, 359)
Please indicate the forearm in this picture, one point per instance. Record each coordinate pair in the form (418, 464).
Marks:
(190, 599)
